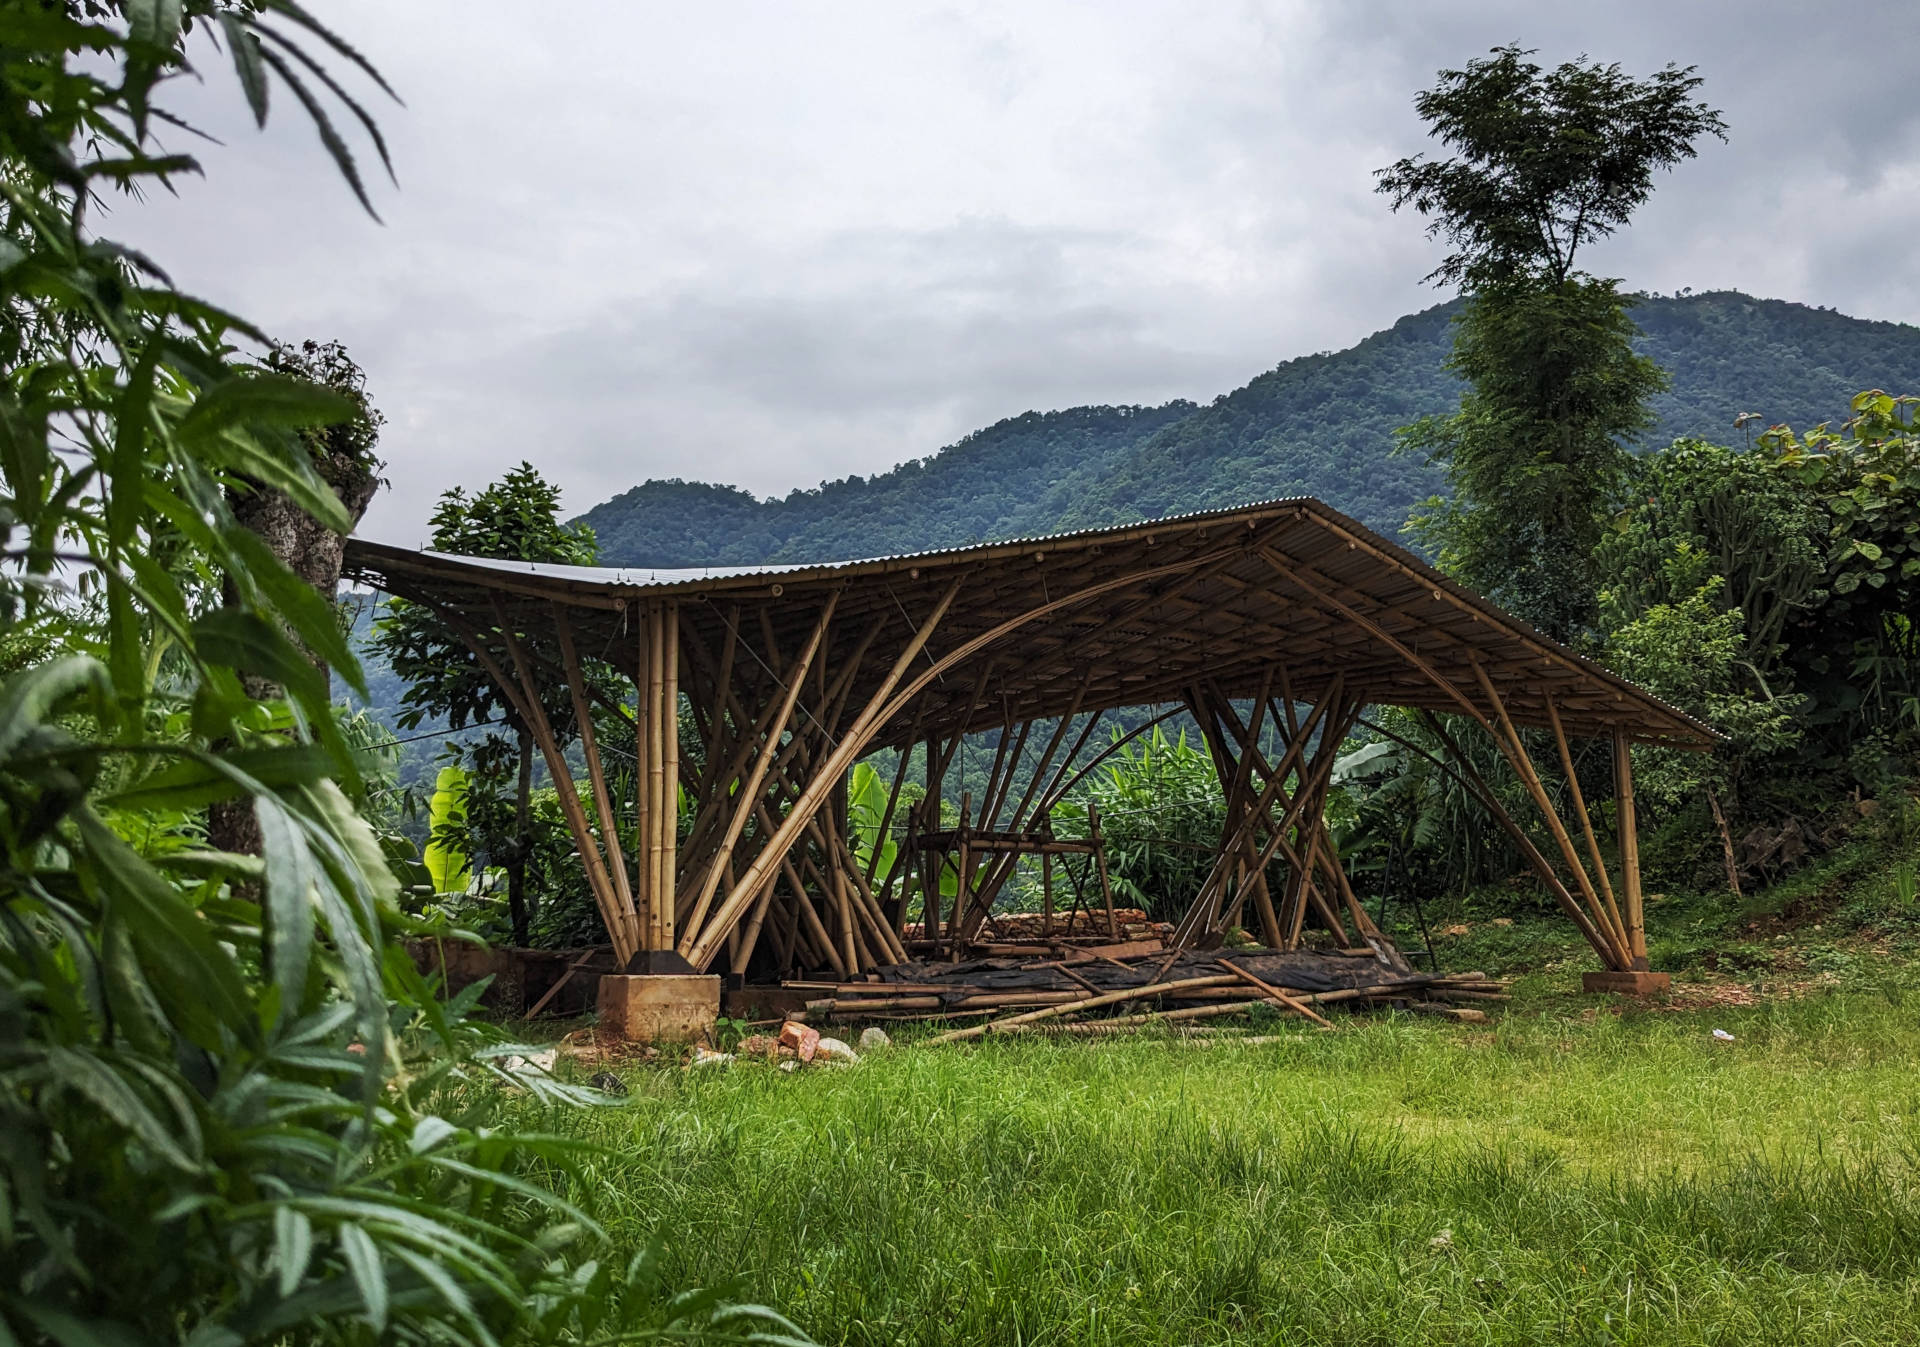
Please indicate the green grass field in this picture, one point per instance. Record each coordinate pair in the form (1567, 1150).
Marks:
(1594, 1178)
(1576, 1171)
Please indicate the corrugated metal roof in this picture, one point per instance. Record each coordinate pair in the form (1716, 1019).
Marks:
(644, 577)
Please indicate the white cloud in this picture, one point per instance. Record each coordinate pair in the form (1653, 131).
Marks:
(766, 243)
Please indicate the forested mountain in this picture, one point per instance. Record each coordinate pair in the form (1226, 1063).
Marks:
(1320, 425)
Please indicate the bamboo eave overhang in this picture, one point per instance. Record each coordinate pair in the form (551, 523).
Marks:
(1098, 619)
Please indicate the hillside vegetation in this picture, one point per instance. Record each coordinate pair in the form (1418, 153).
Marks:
(1319, 425)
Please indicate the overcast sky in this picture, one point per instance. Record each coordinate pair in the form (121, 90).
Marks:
(771, 243)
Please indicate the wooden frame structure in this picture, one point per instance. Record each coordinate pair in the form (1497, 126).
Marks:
(1276, 623)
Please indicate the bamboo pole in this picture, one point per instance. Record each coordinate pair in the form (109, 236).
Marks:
(1195, 918)
(653, 770)
(670, 771)
(1586, 820)
(1298, 1007)
(596, 779)
(534, 714)
(750, 789)
(1086, 1003)
(699, 949)
(1629, 830)
(1516, 753)
(1469, 774)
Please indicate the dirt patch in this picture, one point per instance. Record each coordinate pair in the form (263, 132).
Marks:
(589, 1048)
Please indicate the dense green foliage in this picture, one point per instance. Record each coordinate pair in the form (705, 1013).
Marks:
(1161, 812)
(230, 1109)
(1320, 425)
(1535, 453)
(1773, 591)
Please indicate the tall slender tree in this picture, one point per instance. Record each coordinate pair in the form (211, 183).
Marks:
(1546, 162)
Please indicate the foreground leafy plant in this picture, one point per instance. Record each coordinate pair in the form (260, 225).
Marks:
(230, 1108)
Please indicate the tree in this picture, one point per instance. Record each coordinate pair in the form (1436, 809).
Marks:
(516, 518)
(1546, 162)
(1535, 453)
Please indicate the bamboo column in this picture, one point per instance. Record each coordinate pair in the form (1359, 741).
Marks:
(1629, 827)
(657, 806)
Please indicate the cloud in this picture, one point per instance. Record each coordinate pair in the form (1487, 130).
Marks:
(764, 244)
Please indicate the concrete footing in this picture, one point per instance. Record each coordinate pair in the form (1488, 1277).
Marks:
(1626, 984)
(659, 1008)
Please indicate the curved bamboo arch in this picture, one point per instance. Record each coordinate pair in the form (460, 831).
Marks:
(699, 948)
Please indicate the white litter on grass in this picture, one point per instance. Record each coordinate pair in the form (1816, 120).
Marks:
(703, 1056)
(1723, 1035)
(833, 1050)
(539, 1061)
(790, 1065)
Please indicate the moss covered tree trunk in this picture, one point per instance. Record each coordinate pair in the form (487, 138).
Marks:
(343, 456)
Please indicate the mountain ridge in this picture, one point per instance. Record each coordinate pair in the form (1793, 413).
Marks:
(1319, 425)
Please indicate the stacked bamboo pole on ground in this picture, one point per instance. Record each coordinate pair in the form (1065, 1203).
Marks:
(1203, 987)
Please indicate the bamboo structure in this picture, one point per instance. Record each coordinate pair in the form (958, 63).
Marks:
(755, 691)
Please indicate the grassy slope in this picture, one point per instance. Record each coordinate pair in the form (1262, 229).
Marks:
(1578, 1171)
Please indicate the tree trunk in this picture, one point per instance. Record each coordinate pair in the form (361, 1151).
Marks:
(522, 843)
(311, 551)
(1726, 843)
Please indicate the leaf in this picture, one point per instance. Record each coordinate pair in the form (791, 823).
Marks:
(87, 1075)
(154, 22)
(336, 147)
(299, 15)
(74, 1331)
(27, 699)
(356, 839)
(264, 399)
(292, 1247)
(306, 610)
(429, 1132)
(292, 875)
(248, 643)
(194, 978)
(197, 781)
(127, 467)
(320, 72)
(277, 466)
(363, 1262)
(445, 859)
(435, 1276)
(246, 64)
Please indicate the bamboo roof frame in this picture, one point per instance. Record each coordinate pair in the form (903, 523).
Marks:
(794, 672)
(1152, 605)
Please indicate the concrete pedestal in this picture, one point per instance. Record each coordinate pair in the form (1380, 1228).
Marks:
(1626, 984)
(659, 1008)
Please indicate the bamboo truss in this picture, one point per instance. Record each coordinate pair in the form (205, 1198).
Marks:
(1273, 627)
